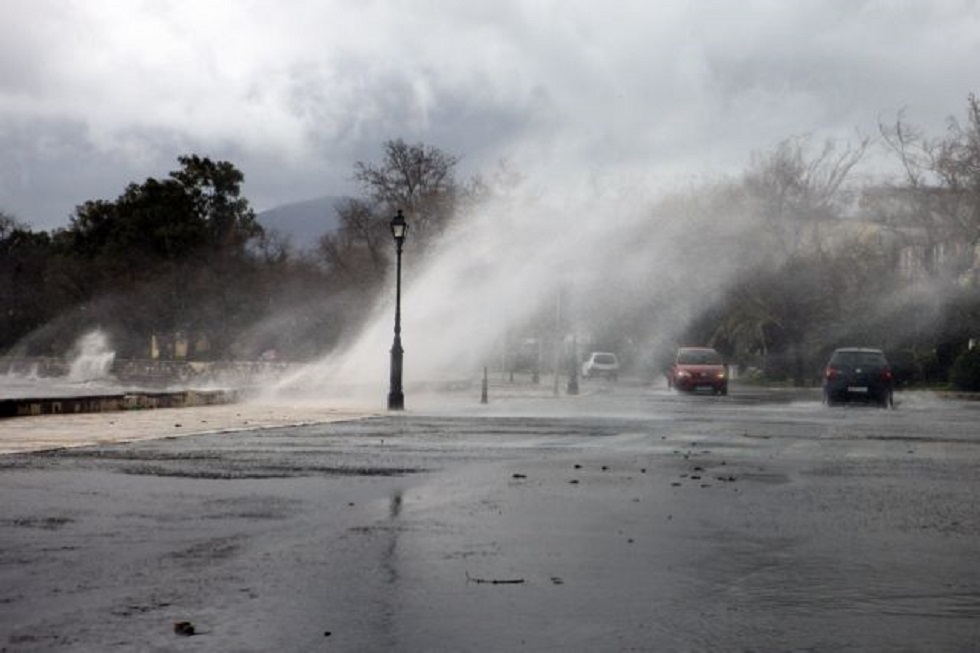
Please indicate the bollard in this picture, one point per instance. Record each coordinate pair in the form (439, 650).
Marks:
(483, 394)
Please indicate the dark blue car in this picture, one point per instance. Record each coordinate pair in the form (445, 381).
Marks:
(858, 374)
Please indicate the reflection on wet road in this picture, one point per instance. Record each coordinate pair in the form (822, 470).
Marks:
(623, 519)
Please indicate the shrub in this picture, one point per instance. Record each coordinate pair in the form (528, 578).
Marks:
(965, 372)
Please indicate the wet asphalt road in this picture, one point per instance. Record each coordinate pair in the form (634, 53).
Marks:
(623, 519)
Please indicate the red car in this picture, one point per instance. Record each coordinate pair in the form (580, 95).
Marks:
(698, 368)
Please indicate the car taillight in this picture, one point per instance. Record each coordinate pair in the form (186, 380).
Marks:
(886, 375)
(831, 373)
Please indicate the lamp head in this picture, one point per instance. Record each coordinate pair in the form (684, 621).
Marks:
(399, 227)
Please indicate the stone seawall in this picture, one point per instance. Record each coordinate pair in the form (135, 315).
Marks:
(115, 402)
(156, 373)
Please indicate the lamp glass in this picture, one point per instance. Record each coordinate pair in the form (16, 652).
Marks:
(398, 226)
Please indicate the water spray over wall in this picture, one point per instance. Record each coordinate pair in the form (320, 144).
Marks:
(505, 263)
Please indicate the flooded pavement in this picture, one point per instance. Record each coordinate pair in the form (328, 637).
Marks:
(623, 519)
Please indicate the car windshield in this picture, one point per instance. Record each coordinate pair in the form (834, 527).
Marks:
(856, 358)
(698, 357)
(604, 359)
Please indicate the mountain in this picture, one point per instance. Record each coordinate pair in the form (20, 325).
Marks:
(302, 222)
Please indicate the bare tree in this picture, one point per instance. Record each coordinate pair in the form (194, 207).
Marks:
(942, 187)
(797, 190)
(358, 251)
(419, 180)
(957, 164)
(796, 195)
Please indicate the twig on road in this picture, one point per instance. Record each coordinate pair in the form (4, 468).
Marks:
(494, 581)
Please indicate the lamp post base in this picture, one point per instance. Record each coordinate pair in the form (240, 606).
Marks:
(396, 401)
(396, 398)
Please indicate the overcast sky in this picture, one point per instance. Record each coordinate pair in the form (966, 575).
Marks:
(95, 94)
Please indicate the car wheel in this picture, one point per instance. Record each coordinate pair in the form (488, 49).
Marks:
(724, 391)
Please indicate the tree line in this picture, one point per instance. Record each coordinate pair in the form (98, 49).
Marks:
(823, 262)
(184, 258)
(831, 263)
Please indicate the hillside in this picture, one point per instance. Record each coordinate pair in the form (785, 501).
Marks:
(302, 222)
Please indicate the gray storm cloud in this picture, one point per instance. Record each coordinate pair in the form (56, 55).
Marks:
(295, 93)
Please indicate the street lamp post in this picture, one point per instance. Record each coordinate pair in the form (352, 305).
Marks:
(396, 398)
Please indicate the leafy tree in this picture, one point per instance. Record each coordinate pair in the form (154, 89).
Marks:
(23, 260)
(214, 189)
(174, 252)
(965, 373)
(198, 208)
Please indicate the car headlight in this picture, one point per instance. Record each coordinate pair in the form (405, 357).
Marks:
(683, 374)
